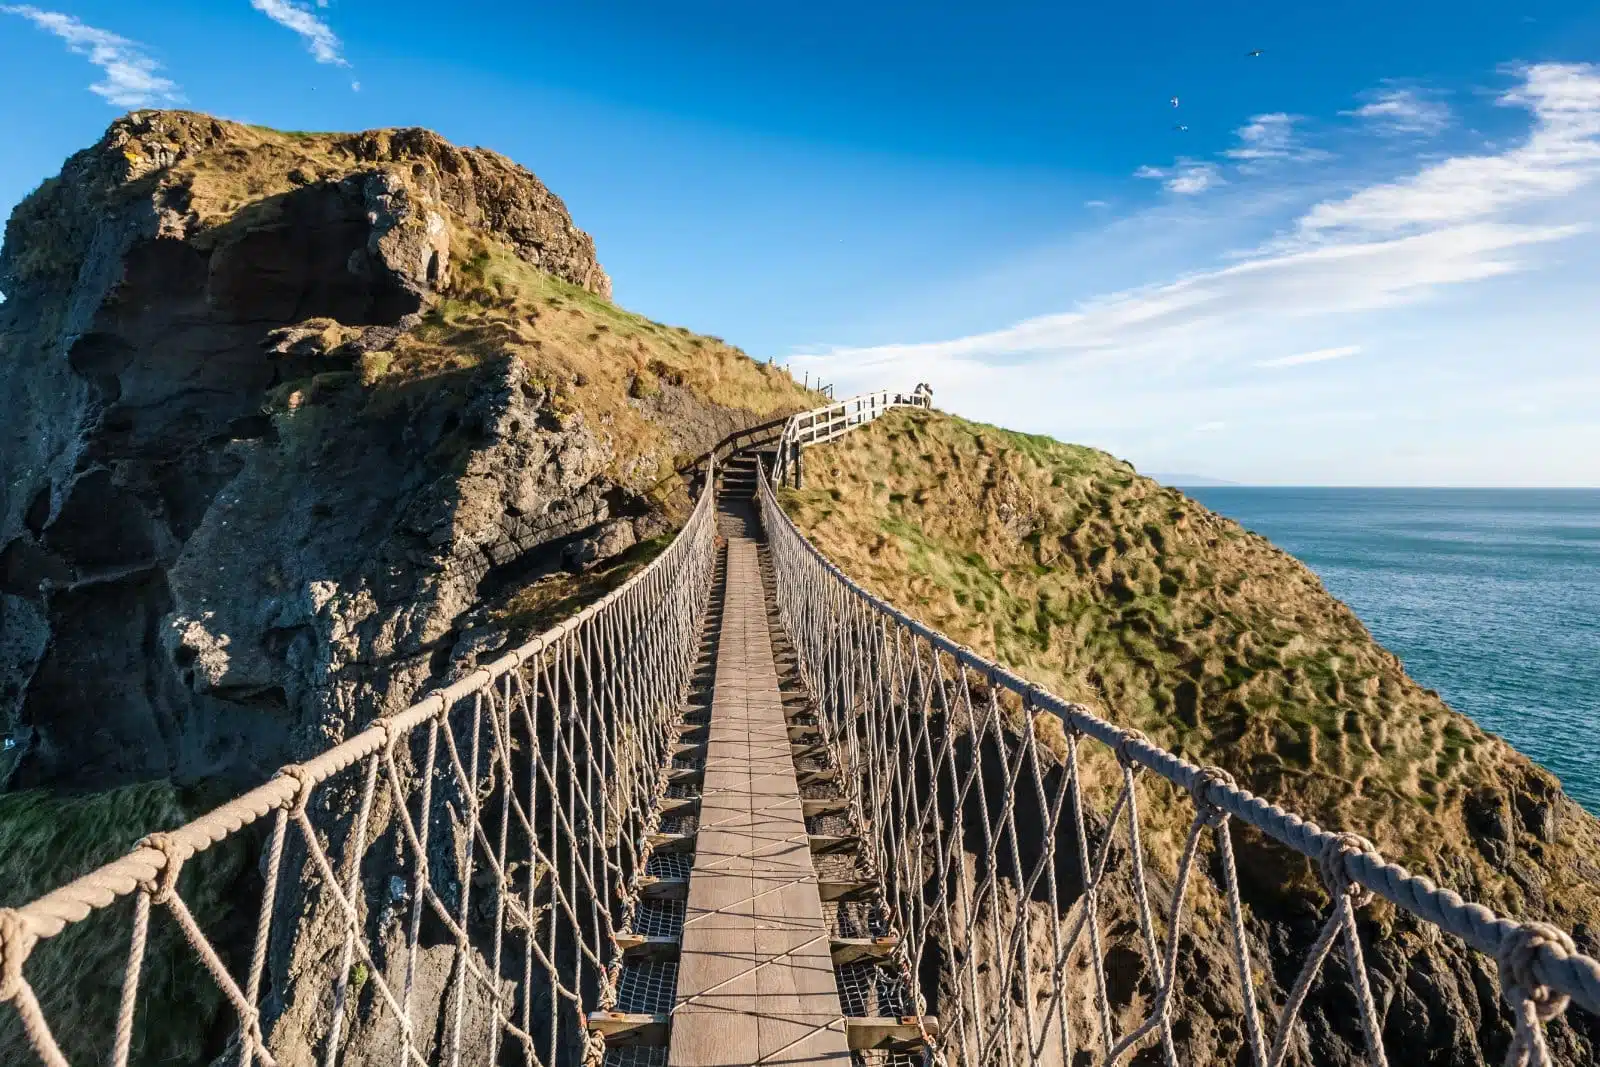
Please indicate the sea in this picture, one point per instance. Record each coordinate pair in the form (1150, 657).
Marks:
(1490, 596)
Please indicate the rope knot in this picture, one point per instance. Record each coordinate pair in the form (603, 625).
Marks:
(594, 1047)
(1069, 720)
(177, 853)
(1208, 777)
(303, 785)
(1334, 875)
(15, 945)
(1124, 751)
(1516, 958)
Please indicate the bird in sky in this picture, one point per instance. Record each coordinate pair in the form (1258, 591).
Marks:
(1181, 128)
(1174, 101)
(1255, 54)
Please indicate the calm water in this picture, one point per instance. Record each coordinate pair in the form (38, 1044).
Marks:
(1490, 596)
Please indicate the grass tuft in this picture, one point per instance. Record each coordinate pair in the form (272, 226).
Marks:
(46, 841)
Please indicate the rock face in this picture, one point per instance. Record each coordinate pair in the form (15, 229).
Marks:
(229, 536)
(145, 482)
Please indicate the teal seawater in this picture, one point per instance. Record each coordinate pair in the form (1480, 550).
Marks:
(1490, 596)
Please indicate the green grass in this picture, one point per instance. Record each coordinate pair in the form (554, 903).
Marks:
(47, 841)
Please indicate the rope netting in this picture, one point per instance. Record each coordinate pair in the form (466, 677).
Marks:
(443, 886)
(973, 791)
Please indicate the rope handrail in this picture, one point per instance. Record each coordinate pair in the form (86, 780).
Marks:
(612, 676)
(852, 647)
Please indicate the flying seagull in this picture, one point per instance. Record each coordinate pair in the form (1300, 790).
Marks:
(1174, 101)
(1255, 54)
(1181, 128)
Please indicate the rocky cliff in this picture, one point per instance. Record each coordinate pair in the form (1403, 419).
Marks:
(1064, 564)
(287, 414)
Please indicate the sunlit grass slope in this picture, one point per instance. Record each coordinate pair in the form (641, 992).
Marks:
(1066, 565)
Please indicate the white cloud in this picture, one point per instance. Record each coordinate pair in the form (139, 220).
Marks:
(1270, 137)
(1388, 246)
(1211, 427)
(1343, 278)
(132, 79)
(1561, 154)
(318, 35)
(1321, 355)
(1400, 111)
(1186, 177)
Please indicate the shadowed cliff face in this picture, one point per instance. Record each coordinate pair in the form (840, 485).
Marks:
(1064, 564)
(280, 409)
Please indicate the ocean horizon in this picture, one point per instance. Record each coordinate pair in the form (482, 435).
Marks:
(1490, 596)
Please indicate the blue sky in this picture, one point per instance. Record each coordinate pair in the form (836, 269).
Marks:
(1368, 259)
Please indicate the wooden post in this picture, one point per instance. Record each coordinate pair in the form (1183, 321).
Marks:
(799, 478)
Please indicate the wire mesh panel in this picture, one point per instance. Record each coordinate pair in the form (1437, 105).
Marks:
(828, 825)
(682, 823)
(676, 865)
(658, 918)
(874, 1057)
(872, 989)
(647, 986)
(443, 886)
(1027, 906)
(855, 918)
(636, 1056)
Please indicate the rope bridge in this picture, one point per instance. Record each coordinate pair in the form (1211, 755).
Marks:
(510, 832)
(541, 773)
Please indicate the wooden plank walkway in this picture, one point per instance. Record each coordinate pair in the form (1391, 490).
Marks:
(755, 981)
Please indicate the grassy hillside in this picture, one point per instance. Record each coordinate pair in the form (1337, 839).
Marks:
(1066, 565)
(591, 355)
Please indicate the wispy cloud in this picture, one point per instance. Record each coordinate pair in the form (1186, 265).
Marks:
(319, 37)
(1560, 155)
(1321, 355)
(1460, 220)
(1186, 177)
(1403, 111)
(132, 79)
(1334, 279)
(1270, 137)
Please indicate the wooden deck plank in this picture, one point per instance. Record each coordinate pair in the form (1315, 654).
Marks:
(755, 980)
